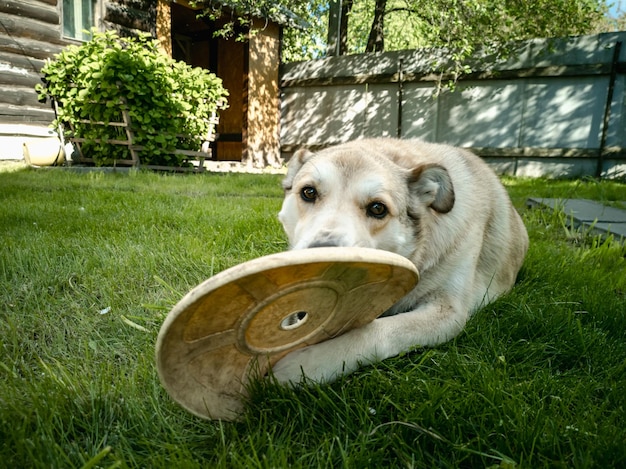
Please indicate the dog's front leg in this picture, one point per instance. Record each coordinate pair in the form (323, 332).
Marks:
(428, 325)
(326, 361)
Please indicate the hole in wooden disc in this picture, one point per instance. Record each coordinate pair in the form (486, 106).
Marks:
(294, 320)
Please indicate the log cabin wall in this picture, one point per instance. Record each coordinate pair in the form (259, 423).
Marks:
(32, 31)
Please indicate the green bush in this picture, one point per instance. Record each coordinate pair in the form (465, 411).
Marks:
(165, 98)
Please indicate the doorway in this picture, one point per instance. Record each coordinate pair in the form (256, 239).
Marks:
(194, 43)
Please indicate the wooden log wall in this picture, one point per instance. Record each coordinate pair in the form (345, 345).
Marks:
(31, 31)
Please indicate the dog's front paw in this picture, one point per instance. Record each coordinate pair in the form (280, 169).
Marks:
(313, 362)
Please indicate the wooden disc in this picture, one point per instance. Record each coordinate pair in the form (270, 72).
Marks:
(234, 326)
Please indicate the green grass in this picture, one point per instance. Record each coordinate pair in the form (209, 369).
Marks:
(537, 379)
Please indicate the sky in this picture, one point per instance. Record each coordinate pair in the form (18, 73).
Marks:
(616, 7)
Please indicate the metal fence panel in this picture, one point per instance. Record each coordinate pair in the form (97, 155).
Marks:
(544, 111)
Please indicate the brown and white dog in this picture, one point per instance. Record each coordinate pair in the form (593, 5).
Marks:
(439, 206)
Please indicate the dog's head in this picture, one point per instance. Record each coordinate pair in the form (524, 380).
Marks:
(362, 194)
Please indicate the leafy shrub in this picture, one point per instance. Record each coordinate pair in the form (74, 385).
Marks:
(165, 98)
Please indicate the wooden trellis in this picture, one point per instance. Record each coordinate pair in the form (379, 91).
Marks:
(200, 156)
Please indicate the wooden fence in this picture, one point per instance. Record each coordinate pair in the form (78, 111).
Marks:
(556, 107)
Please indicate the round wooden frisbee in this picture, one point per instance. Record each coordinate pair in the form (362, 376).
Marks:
(237, 324)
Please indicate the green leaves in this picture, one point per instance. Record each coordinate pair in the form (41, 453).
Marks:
(410, 24)
(82, 94)
(165, 98)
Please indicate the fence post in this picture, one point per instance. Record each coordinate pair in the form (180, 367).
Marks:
(400, 92)
(607, 108)
(333, 46)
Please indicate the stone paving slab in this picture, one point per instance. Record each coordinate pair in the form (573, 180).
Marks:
(592, 215)
(601, 219)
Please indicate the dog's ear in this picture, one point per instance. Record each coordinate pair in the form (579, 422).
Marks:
(431, 183)
(295, 163)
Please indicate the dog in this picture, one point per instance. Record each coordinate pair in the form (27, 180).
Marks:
(439, 206)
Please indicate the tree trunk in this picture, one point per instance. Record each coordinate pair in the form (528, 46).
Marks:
(346, 6)
(376, 39)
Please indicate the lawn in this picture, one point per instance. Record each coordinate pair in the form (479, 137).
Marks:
(90, 264)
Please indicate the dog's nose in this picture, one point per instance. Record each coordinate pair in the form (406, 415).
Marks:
(325, 239)
(325, 243)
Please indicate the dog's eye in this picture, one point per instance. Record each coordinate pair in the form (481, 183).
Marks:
(377, 210)
(308, 194)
